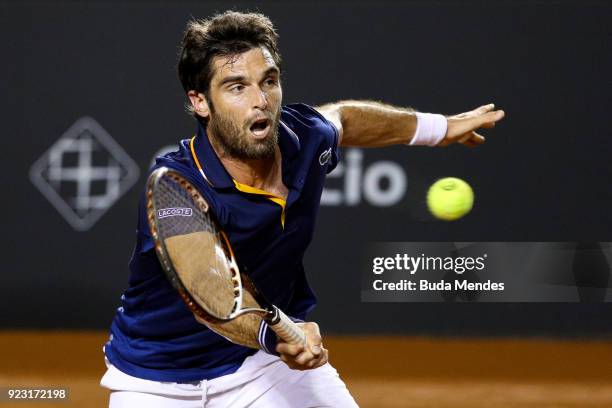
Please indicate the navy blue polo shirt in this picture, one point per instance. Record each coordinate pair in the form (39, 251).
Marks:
(154, 335)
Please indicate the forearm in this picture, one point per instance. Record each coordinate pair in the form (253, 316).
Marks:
(373, 124)
(243, 330)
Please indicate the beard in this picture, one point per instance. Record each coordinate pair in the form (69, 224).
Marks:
(237, 142)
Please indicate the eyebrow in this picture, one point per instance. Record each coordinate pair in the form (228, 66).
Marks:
(271, 70)
(232, 78)
(241, 78)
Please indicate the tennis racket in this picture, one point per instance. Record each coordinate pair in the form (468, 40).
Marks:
(198, 259)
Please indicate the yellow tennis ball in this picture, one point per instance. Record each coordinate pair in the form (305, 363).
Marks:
(450, 198)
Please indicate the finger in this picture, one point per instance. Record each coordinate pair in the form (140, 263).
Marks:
(290, 363)
(464, 138)
(313, 338)
(315, 345)
(484, 109)
(488, 125)
(474, 140)
(322, 360)
(289, 349)
(494, 116)
(304, 358)
(487, 118)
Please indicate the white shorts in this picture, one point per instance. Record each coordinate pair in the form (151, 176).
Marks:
(263, 380)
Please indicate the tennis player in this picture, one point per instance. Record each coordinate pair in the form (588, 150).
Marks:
(263, 166)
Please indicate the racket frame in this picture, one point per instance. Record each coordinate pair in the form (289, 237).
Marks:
(270, 313)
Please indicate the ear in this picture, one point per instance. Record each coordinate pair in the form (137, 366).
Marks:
(198, 101)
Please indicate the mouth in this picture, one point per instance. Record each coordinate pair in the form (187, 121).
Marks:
(260, 128)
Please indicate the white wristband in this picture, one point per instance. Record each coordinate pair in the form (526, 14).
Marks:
(431, 129)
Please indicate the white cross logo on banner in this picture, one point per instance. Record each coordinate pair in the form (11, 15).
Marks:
(84, 173)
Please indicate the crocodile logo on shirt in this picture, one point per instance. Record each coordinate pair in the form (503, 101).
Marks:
(325, 157)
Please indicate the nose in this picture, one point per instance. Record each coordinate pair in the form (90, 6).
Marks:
(260, 99)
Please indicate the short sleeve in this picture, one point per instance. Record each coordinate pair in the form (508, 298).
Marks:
(311, 127)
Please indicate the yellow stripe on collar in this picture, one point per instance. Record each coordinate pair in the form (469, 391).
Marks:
(243, 187)
(197, 162)
(274, 198)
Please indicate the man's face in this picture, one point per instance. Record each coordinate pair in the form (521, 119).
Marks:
(245, 97)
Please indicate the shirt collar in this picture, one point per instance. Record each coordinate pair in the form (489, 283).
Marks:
(211, 168)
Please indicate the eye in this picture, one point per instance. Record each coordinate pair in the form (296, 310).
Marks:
(270, 82)
(236, 88)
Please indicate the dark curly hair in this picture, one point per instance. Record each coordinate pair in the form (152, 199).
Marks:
(227, 34)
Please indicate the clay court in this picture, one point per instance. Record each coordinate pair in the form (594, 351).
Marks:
(382, 372)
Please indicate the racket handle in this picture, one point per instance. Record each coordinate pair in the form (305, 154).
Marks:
(286, 329)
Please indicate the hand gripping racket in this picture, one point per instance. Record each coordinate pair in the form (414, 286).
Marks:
(198, 259)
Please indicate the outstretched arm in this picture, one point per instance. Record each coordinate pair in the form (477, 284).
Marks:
(374, 124)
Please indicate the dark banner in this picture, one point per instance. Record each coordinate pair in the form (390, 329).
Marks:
(90, 96)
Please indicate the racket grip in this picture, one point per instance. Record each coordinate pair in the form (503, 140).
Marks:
(287, 330)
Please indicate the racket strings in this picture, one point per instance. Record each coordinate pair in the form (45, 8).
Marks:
(199, 254)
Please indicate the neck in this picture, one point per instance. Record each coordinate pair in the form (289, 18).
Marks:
(259, 173)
